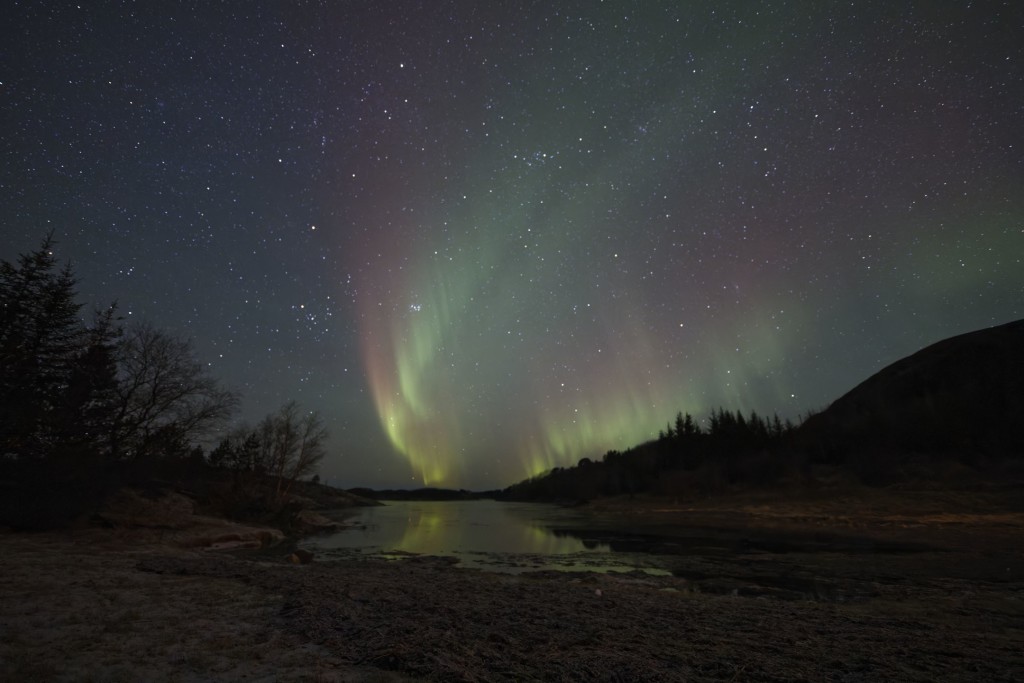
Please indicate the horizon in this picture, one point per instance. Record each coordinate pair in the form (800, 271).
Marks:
(485, 243)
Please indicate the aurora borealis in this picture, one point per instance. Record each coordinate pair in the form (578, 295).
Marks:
(485, 239)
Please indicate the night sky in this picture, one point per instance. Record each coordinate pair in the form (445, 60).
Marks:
(486, 238)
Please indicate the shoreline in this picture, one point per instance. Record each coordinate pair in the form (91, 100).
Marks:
(120, 605)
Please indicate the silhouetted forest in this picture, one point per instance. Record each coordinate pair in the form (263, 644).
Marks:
(685, 458)
(88, 404)
(948, 414)
(426, 493)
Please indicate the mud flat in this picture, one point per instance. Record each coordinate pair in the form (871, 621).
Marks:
(921, 598)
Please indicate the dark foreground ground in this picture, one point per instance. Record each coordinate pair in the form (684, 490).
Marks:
(899, 589)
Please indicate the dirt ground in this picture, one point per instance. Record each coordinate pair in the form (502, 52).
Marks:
(887, 591)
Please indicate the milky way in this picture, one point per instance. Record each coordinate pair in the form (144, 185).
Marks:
(486, 239)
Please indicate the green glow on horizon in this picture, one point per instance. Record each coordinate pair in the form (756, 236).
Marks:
(470, 323)
(578, 274)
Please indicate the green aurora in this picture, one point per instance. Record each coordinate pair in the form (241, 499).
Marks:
(585, 263)
(484, 239)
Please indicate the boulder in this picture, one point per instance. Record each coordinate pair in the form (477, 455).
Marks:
(173, 514)
(211, 533)
(307, 522)
(301, 556)
(131, 508)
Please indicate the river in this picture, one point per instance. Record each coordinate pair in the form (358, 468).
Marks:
(486, 534)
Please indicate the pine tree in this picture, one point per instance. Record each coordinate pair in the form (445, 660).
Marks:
(40, 340)
(90, 402)
(690, 428)
(680, 425)
(252, 454)
(222, 455)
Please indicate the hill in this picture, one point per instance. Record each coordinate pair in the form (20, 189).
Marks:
(962, 398)
(948, 413)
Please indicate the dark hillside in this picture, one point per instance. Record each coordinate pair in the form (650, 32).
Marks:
(949, 414)
(960, 397)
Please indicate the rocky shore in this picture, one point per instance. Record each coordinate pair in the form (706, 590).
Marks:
(111, 605)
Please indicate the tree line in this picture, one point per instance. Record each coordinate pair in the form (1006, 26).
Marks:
(686, 457)
(82, 397)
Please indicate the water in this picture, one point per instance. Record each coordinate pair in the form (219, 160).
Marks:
(509, 537)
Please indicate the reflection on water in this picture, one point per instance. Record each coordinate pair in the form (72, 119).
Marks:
(484, 533)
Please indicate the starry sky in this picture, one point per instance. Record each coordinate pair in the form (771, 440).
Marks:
(483, 239)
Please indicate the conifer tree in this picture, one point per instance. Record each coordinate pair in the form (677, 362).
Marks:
(88, 410)
(41, 338)
(680, 425)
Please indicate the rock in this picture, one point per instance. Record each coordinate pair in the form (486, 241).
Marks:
(172, 516)
(211, 533)
(301, 556)
(309, 522)
(131, 508)
(303, 502)
(234, 545)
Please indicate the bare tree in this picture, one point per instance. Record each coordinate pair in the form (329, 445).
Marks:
(295, 442)
(165, 397)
